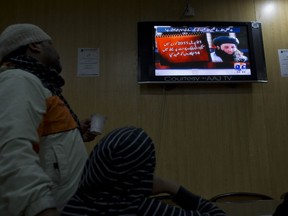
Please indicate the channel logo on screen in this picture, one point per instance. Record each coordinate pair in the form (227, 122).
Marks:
(240, 67)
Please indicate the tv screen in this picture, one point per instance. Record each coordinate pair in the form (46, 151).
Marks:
(200, 52)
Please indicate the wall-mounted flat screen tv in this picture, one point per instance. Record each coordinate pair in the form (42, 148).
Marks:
(200, 52)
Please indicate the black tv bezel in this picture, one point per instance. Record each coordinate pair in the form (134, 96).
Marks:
(146, 43)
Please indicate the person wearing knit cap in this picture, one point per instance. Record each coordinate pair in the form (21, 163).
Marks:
(226, 50)
(41, 139)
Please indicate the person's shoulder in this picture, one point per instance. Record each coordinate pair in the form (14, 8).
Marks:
(20, 75)
(16, 73)
(215, 58)
(23, 80)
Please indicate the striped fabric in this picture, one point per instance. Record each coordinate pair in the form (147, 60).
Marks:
(118, 179)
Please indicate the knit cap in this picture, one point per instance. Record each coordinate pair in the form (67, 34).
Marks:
(225, 39)
(17, 35)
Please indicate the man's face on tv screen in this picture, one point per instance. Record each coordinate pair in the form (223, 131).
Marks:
(228, 48)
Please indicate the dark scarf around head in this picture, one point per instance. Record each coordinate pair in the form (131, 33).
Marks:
(49, 77)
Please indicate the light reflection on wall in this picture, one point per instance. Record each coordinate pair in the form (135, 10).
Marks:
(269, 8)
(266, 10)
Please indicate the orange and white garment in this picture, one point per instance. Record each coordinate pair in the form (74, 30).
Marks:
(42, 154)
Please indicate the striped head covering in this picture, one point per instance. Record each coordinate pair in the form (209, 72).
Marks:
(117, 176)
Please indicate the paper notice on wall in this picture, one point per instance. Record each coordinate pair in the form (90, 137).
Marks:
(283, 60)
(88, 62)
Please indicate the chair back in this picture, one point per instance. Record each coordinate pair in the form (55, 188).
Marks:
(240, 197)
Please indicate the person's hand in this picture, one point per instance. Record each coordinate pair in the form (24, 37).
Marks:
(85, 128)
(49, 212)
(161, 185)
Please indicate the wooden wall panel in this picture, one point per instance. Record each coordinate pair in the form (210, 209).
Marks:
(212, 138)
(275, 93)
